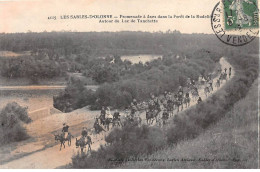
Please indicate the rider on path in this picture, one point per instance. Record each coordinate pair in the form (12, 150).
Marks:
(209, 76)
(103, 112)
(97, 126)
(65, 130)
(180, 90)
(193, 82)
(165, 94)
(135, 102)
(154, 101)
(211, 84)
(108, 113)
(219, 70)
(165, 116)
(84, 133)
(168, 96)
(151, 105)
(199, 100)
(230, 71)
(116, 116)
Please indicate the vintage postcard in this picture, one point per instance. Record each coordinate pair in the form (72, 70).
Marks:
(129, 84)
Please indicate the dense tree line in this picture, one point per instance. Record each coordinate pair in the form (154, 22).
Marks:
(121, 43)
(30, 67)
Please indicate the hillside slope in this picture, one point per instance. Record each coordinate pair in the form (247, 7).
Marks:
(231, 143)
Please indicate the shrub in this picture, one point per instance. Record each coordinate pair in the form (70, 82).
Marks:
(12, 117)
(129, 142)
(75, 96)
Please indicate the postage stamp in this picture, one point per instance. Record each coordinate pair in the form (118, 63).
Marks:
(235, 22)
(242, 14)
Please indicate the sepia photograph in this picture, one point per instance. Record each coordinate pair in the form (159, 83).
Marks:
(128, 84)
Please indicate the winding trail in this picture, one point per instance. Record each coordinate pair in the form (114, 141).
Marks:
(41, 87)
(52, 157)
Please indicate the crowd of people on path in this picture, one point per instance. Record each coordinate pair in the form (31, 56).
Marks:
(165, 103)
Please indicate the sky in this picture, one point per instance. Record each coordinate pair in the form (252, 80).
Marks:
(24, 15)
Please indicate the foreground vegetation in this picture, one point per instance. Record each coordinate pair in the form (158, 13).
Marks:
(185, 126)
(12, 118)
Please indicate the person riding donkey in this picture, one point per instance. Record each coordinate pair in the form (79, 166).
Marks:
(133, 109)
(103, 111)
(157, 104)
(180, 98)
(108, 114)
(175, 98)
(189, 83)
(151, 105)
(193, 82)
(108, 119)
(84, 134)
(116, 118)
(199, 100)
(84, 140)
(134, 102)
(230, 72)
(97, 126)
(168, 96)
(65, 131)
(186, 100)
(211, 84)
(165, 94)
(165, 116)
(180, 90)
(219, 70)
(102, 116)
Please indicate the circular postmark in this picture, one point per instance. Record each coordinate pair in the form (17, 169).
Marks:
(233, 24)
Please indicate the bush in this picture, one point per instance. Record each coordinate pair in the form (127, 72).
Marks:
(75, 96)
(129, 142)
(12, 117)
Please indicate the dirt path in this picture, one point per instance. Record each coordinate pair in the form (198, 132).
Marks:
(52, 157)
(41, 87)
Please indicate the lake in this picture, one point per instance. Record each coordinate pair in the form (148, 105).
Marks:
(141, 58)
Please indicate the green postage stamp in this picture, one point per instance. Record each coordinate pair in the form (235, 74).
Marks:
(241, 14)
